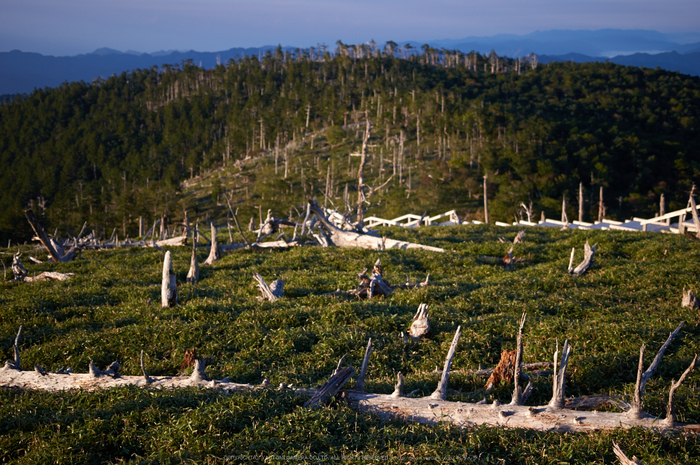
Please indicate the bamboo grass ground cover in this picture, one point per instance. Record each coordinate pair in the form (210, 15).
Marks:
(630, 297)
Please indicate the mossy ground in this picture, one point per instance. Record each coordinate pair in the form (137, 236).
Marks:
(111, 311)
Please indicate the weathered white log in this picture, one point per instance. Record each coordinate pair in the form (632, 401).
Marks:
(193, 273)
(341, 238)
(48, 276)
(441, 390)
(689, 299)
(588, 260)
(423, 410)
(517, 398)
(637, 409)
(360, 384)
(177, 241)
(559, 378)
(619, 453)
(670, 409)
(420, 325)
(272, 292)
(168, 289)
(214, 253)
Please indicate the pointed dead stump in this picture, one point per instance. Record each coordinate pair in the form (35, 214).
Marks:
(441, 390)
(214, 253)
(689, 299)
(559, 377)
(588, 260)
(193, 273)
(272, 292)
(421, 325)
(670, 420)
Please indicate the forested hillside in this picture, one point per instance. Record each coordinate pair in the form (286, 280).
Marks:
(276, 131)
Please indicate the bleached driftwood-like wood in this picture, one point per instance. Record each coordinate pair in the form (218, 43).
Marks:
(559, 378)
(272, 292)
(420, 325)
(670, 409)
(426, 410)
(690, 299)
(168, 288)
(622, 457)
(20, 273)
(44, 238)
(214, 253)
(330, 388)
(360, 384)
(441, 390)
(341, 238)
(48, 276)
(588, 260)
(637, 409)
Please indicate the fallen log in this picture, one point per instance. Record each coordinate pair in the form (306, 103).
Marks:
(341, 238)
(427, 410)
(21, 274)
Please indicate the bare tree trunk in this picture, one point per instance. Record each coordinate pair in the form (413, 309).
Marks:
(580, 202)
(360, 176)
(601, 206)
(486, 199)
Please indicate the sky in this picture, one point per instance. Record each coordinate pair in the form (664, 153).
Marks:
(70, 27)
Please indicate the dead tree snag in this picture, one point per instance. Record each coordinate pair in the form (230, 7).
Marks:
(214, 253)
(588, 260)
(637, 409)
(168, 288)
(441, 390)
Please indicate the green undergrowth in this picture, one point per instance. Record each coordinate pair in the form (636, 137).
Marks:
(111, 311)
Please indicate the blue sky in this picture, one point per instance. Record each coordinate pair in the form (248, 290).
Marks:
(57, 27)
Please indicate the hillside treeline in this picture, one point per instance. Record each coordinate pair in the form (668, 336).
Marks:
(115, 149)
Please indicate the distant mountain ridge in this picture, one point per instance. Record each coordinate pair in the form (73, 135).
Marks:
(22, 72)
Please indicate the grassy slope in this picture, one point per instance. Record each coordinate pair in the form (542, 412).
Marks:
(631, 297)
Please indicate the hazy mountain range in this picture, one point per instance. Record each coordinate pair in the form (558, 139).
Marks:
(22, 72)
